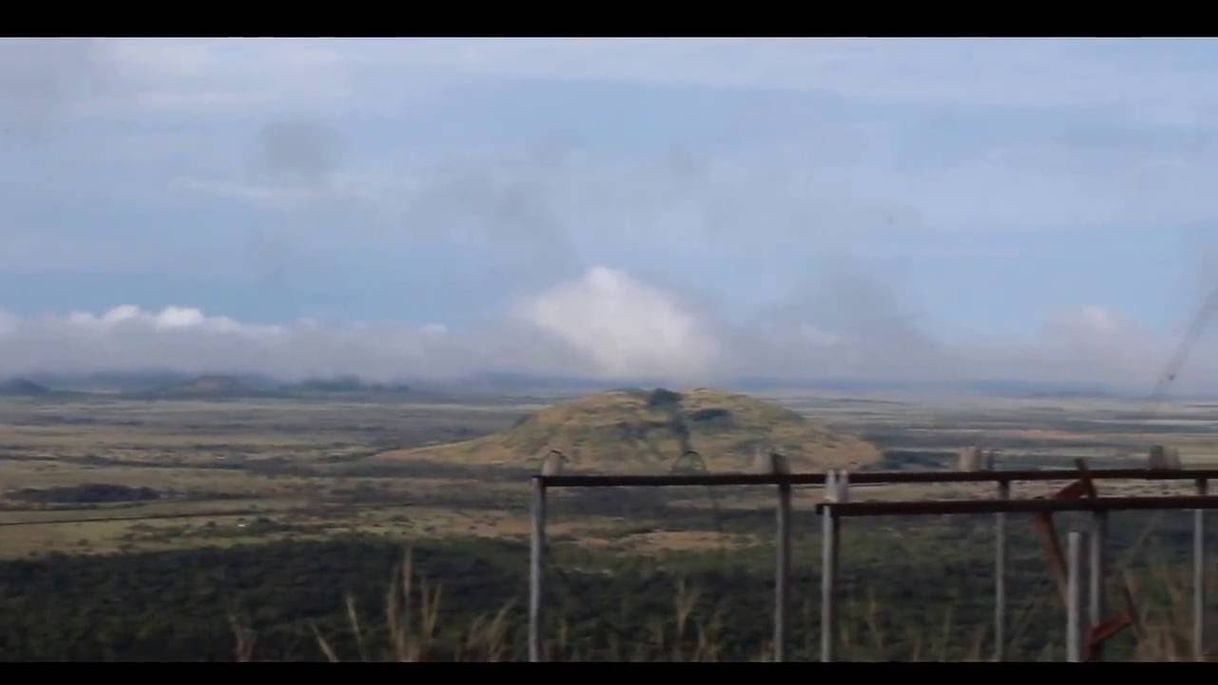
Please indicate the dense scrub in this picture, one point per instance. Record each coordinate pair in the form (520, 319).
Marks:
(191, 605)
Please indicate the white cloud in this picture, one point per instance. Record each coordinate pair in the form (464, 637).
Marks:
(1088, 323)
(187, 339)
(1089, 343)
(168, 319)
(627, 328)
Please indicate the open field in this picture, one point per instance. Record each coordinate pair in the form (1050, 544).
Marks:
(142, 485)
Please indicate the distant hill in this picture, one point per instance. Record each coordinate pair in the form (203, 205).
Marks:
(20, 387)
(204, 387)
(649, 432)
(110, 382)
(996, 388)
(350, 385)
(222, 386)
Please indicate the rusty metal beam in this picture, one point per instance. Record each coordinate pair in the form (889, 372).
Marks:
(1053, 551)
(1020, 506)
(871, 477)
(1105, 630)
(1048, 533)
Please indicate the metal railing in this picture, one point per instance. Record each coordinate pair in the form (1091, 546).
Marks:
(836, 506)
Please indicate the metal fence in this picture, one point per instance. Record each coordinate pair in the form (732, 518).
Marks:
(836, 505)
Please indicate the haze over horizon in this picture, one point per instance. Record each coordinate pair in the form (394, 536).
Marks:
(689, 211)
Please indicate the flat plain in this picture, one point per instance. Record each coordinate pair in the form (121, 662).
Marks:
(117, 478)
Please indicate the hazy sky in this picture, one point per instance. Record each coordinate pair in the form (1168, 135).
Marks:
(686, 209)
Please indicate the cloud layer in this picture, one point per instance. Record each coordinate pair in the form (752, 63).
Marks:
(607, 325)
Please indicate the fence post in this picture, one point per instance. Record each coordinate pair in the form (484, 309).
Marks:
(782, 571)
(828, 612)
(536, 564)
(1073, 599)
(835, 491)
(1000, 575)
(1199, 576)
(1099, 535)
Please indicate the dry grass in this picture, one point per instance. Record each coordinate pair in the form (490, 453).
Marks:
(413, 614)
(412, 619)
(1166, 630)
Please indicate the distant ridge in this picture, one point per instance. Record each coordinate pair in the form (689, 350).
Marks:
(21, 387)
(163, 382)
(1008, 388)
(209, 387)
(345, 385)
(219, 386)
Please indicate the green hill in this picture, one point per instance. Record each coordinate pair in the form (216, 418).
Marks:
(638, 431)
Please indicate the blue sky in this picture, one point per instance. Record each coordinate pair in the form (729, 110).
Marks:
(879, 207)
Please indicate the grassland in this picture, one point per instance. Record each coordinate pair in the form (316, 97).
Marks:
(271, 510)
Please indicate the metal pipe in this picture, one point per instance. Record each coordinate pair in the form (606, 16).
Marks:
(782, 572)
(1000, 575)
(1199, 576)
(1099, 534)
(536, 565)
(1073, 599)
(828, 609)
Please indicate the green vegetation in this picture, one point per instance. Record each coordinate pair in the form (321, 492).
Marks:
(897, 601)
(237, 529)
(89, 493)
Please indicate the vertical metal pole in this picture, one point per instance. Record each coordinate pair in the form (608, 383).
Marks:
(1199, 576)
(1073, 598)
(1000, 575)
(536, 563)
(828, 573)
(782, 571)
(1095, 590)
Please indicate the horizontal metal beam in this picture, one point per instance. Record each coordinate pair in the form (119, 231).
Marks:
(871, 477)
(213, 513)
(1018, 506)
